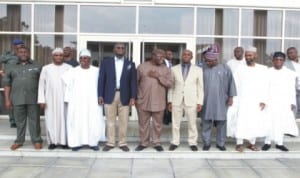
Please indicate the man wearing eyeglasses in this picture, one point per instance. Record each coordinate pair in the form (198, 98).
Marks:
(51, 99)
(117, 90)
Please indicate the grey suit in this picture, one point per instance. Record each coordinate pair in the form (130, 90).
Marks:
(289, 64)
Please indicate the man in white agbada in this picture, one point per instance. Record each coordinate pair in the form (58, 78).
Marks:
(281, 103)
(251, 83)
(51, 98)
(85, 123)
(237, 60)
(234, 64)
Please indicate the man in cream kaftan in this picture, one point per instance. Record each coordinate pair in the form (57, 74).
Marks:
(51, 98)
(251, 82)
(85, 121)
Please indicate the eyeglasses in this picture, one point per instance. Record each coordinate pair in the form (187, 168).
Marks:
(58, 55)
(120, 47)
(278, 59)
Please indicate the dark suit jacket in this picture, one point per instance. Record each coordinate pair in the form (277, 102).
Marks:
(107, 81)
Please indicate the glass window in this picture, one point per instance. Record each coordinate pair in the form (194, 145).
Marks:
(265, 48)
(292, 43)
(44, 44)
(107, 19)
(292, 25)
(217, 21)
(226, 44)
(55, 18)
(166, 20)
(15, 17)
(261, 23)
(6, 42)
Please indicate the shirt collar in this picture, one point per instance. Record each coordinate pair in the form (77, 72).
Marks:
(28, 62)
(119, 59)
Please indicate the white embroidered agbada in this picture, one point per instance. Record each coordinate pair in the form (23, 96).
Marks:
(51, 92)
(281, 95)
(233, 64)
(85, 122)
(251, 83)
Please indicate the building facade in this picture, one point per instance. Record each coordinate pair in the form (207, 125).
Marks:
(147, 24)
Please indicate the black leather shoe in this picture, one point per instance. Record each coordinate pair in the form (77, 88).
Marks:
(95, 148)
(266, 147)
(221, 148)
(158, 148)
(140, 148)
(194, 148)
(282, 147)
(76, 148)
(51, 147)
(172, 147)
(13, 125)
(124, 148)
(206, 147)
(107, 148)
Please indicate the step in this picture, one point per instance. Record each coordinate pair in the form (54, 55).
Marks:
(7, 136)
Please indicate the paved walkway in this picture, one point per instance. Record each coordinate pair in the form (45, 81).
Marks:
(33, 167)
(182, 163)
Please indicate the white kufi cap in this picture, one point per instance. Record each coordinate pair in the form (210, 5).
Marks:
(251, 49)
(57, 51)
(85, 52)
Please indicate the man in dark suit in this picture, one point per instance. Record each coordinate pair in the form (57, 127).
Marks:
(117, 89)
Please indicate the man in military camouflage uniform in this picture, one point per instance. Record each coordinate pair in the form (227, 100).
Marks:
(10, 57)
(21, 90)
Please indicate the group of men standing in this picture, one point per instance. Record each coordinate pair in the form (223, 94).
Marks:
(251, 97)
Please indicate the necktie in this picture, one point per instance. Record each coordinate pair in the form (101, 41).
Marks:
(185, 72)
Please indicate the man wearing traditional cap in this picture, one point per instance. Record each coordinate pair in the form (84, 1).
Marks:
(117, 90)
(186, 94)
(153, 79)
(10, 58)
(21, 90)
(292, 63)
(85, 122)
(251, 82)
(280, 103)
(219, 88)
(51, 98)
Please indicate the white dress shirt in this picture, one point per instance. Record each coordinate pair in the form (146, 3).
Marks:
(119, 67)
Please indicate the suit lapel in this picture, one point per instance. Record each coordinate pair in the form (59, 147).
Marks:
(113, 69)
(180, 70)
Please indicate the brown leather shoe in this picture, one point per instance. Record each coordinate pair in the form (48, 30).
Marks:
(15, 146)
(38, 146)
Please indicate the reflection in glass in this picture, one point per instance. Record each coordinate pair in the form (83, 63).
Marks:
(265, 48)
(15, 17)
(55, 18)
(217, 21)
(166, 20)
(261, 22)
(226, 44)
(107, 19)
(44, 44)
(292, 25)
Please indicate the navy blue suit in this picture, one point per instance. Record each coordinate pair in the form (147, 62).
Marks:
(107, 81)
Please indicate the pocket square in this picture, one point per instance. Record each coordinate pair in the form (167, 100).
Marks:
(129, 67)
